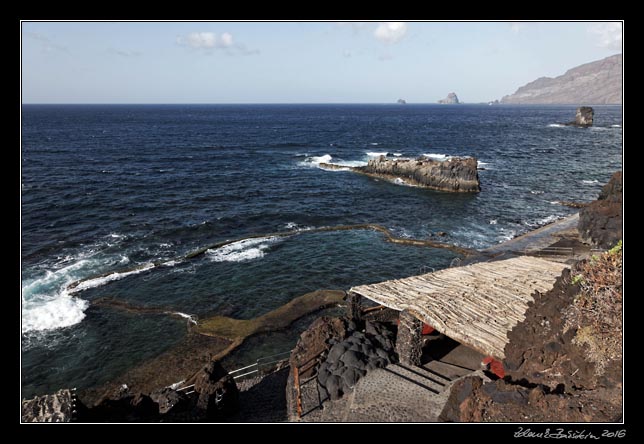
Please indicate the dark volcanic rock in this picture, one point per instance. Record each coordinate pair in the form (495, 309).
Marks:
(584, 116)
(218, 393)
(169, 400)
(316, 339)
(600, 223)
(58, 407)
(123, 406)
(456, 174)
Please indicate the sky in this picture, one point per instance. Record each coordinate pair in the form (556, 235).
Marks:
(299, 62)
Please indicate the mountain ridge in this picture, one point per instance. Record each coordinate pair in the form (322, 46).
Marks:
(594, 83)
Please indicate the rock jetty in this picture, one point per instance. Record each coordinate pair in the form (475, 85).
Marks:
(458, 174)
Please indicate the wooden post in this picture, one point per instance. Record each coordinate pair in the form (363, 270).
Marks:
(409, 339)
(354, 308)
(298, 394)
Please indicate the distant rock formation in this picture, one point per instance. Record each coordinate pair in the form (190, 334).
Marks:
(455, 174)
(401, 102)
(596, 83)
(451, 99)
(584, 116)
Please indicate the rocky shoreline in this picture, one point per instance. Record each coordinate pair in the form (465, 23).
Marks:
(350, 352)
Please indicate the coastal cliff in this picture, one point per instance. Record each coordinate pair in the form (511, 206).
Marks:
(563, 362)
(597, 83)
(458, 174)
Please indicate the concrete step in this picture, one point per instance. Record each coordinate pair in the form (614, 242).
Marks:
(446, 371)
(420, 376)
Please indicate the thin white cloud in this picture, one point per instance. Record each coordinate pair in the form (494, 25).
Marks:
(390, 32)
(209, 41)
(607, 35)
(124, 52)
(226, 40)
(198, 40)
(46, 43)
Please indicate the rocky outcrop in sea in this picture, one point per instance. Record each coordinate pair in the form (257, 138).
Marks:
(456, 174)
(451, 99)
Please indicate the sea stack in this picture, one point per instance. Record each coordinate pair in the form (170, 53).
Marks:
(451, 99)
(584, 116)
(401, 102)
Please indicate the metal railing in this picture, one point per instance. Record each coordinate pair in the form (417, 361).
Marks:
(261, 363)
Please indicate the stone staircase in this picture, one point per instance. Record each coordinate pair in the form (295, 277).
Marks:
(397, 393)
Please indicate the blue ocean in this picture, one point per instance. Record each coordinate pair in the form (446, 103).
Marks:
(109, 190)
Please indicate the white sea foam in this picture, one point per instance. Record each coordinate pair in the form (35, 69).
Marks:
(376, 154)
(46, 304)
(436, 156)
(536, 191)
(589, 182)
(402, 182)
(397, 154)
(350, 163)
(171, 263)
(492, 221)
(99, 281)
(43, 312)
(616, 126)
(290, 225)
(243, 250)
(374, 143)
(190, 318)
(556, 125)
(480, 164)
(315, 161)
(543, 221)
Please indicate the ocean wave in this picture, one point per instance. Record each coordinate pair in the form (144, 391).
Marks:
(556, 125)
(536, 191)
(376, 154)
(190, 318)
(292, 226)
(589, 182)
(616, 126)
(374, 143)
(243, 250)
(315, 161)
(350, 163)
(100, 281)
(43, 312)
(397, 154)
(492, 221)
